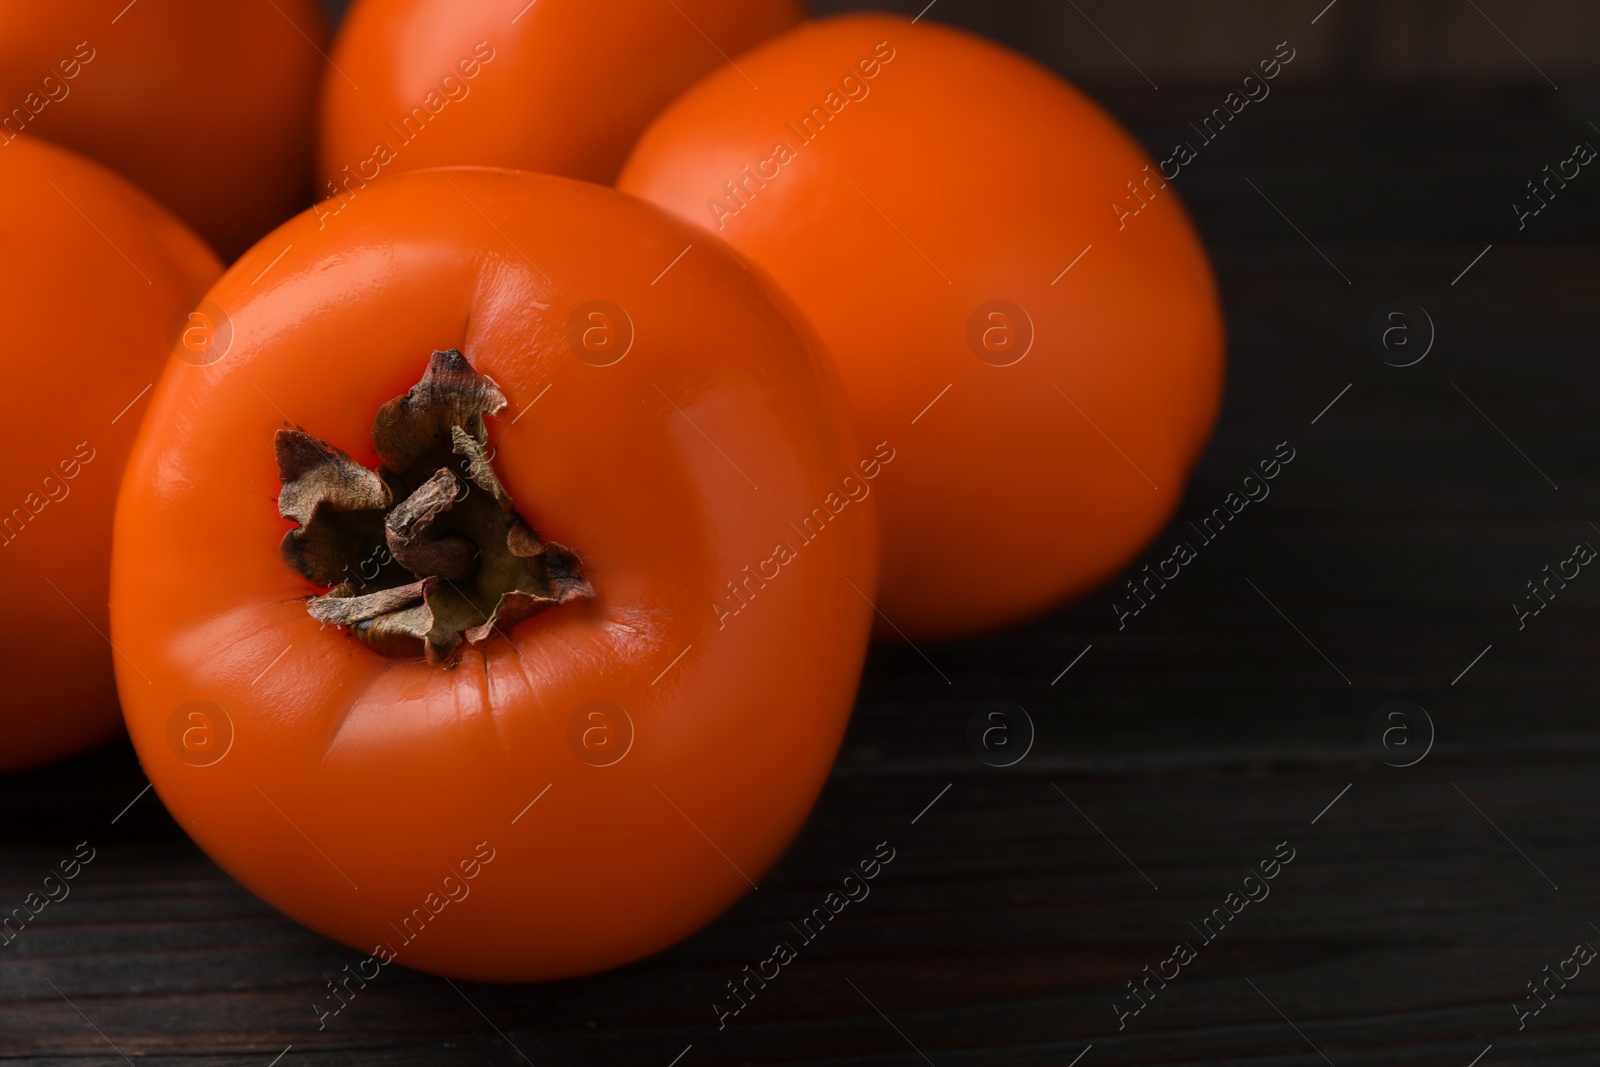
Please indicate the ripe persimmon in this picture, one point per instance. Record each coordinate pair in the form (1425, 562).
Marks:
(1010, 288)
(98, 282)
(206, 106)
(559, 86)
(522, 531)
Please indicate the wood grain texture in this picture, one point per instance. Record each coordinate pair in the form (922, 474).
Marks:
(1171, 758)
(1121, 42)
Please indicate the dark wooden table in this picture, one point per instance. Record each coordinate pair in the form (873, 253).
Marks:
(1247, 706)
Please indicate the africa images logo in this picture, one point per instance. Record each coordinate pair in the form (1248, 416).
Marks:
(853, 85)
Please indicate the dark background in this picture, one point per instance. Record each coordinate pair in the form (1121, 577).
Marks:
(1175, 754)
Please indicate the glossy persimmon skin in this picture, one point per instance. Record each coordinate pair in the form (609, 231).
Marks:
(560, 86)
(668, 472)
(966, 174)
(93, 271)
(208, 106)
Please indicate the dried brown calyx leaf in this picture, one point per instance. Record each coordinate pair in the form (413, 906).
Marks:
(426, 553)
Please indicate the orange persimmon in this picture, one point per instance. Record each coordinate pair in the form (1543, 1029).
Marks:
(503, 592)
(99, 281)
(205, 105)
(1009, 286)
(559, 86)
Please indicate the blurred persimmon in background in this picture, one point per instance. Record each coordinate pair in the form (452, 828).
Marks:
(96, 279)
(205, 105)
(559, 86)
(1012, 292)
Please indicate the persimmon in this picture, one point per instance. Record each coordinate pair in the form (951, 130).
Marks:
(558, 86)
(520, 521)
(206, 106)
(1011, 290)
(98, 281)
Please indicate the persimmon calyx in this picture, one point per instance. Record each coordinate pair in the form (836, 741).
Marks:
(426, 553)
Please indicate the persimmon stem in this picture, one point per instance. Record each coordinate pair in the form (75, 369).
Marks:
(426, 554)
